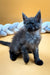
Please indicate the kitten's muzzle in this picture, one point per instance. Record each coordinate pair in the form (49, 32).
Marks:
(30, 29)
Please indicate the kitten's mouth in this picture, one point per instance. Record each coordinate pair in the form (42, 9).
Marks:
(30, 30)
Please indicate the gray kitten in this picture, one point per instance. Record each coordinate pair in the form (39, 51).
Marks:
(27, 39)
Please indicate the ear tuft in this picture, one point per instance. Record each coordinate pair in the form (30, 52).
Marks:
(38, 17)
(24, 16)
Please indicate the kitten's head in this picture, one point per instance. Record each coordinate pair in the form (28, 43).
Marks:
(33, 23)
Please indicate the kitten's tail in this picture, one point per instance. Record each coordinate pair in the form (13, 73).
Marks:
(5, 43)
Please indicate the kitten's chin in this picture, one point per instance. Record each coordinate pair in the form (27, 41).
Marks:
(33, 31)
(30, 30)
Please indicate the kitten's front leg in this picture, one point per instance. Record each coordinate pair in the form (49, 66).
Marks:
(25, 54)
(13, 56)
(37, 60)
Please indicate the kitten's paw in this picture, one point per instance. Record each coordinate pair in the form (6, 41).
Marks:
(39, 62)
(13, 57)
(26, 60)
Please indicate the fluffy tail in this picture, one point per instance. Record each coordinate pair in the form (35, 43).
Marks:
(5, 43)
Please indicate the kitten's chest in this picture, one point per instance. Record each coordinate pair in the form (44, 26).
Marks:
(32, 39)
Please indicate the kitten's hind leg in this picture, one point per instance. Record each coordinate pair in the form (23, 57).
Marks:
(13, 56)
(25, 54)
(38, 61)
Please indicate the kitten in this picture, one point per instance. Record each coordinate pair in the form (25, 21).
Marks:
(27, 39)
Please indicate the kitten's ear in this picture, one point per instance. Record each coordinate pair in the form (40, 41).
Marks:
(38, 17)
(24, 16)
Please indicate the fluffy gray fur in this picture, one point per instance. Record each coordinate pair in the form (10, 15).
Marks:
(27, 39)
